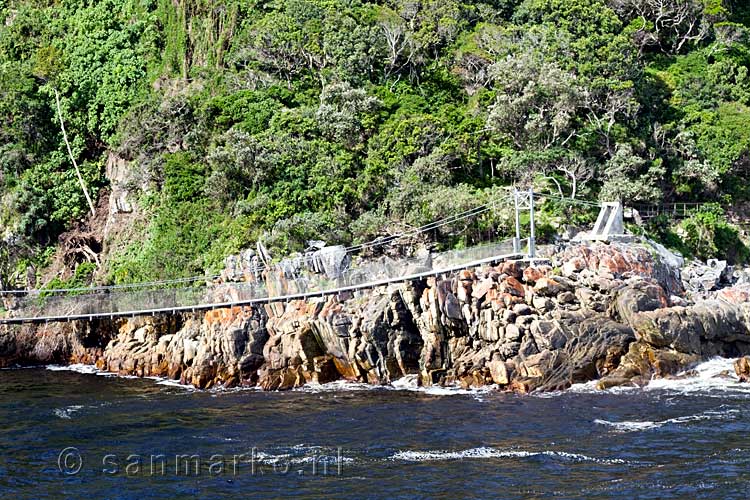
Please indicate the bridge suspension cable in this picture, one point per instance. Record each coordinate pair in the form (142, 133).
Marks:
(571, 201)
(427, 227)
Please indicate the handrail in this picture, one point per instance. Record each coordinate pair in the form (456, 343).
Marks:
(676, 209)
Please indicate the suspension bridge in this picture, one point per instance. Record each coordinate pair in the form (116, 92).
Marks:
(281, 282)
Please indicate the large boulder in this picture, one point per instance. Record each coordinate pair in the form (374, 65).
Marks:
(690, 329)
(643, 362)
(639, 296)
(675, 328)
(593, 348)
(596, 347)
(549, 287)
(619, 261)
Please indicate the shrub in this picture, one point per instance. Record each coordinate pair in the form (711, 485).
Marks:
(707, 234)
(292, 234)
(81, 278)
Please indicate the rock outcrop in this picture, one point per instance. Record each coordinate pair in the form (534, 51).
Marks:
(612, 312)
(742, 368)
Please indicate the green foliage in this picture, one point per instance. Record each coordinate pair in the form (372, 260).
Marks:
(183, 179)
(248, 110)
(48, 196)
(662, 228)
(182, 239)
(707, 234)
(81, 278)
(628, 178)
(102, 50)
(344, 120)
(96, 55)
(292, 234)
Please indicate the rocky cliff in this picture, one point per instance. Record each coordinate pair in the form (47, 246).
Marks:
(613, 312)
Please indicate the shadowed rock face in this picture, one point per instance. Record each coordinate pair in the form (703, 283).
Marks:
(593, 312)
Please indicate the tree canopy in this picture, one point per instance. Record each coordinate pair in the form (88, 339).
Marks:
(340, 119)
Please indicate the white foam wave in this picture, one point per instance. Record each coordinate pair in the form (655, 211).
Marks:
(67, 412)
(486, 452)
(303, 455)
(93, 370)
(629, 425)
(407, 383)
(337, 386)
(710, 377)
(174, 383)
(329, 459)
(221, 390)
(86, 370)
(411, 383)
(77, 367)
(634, 425)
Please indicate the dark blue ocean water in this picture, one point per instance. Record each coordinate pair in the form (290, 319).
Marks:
(136, 438)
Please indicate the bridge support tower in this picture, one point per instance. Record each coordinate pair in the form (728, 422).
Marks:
(524, 201)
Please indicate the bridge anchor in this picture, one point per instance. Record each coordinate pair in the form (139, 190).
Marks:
(609, 222)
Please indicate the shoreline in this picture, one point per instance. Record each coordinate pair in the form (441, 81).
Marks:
(614, 313)
(712, 374)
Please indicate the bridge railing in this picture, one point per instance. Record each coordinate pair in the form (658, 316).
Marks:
(277, 285)
(675, 209)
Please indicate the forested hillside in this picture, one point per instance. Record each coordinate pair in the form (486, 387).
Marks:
(343, 120)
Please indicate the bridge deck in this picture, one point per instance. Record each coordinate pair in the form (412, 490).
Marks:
(263, 300)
